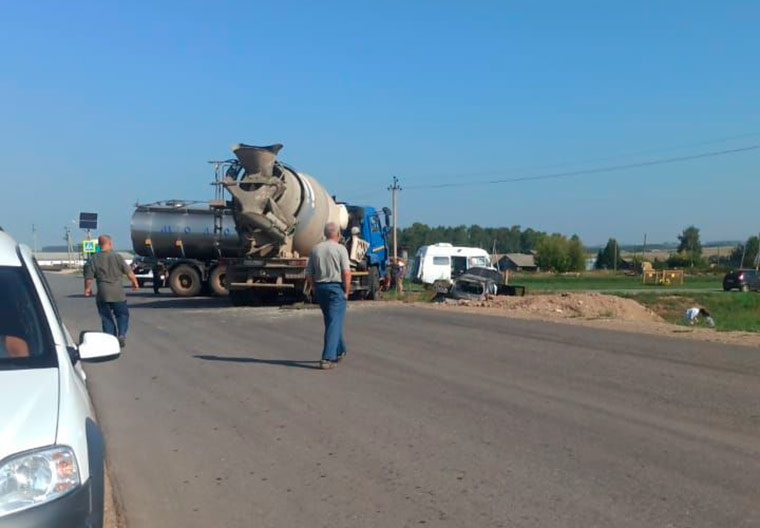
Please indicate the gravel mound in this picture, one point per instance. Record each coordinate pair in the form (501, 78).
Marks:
(569, 305)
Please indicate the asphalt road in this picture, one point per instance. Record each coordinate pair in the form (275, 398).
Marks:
(216, 416)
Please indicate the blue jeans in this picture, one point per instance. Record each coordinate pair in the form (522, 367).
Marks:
(110, 310)
(332, 300)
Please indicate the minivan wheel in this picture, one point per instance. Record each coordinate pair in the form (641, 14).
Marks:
(745, 287)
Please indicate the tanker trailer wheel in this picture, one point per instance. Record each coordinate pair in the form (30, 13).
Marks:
(216, 281)
(373, 294)
(185, 281)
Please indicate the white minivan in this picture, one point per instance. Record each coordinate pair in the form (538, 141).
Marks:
(443, 261)
(51, 448)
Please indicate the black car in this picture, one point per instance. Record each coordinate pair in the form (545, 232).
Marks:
(743, 279)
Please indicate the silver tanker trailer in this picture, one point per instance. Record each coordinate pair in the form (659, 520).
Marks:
(187, 239)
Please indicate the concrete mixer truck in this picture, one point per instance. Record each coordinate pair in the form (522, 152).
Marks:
(279, 215)
(255, 245)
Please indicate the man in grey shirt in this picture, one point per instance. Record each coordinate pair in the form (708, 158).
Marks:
(329, 275)
(108, 268)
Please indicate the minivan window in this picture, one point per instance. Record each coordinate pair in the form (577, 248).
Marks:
(25, 341)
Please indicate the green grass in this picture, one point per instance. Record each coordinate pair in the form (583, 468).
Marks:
(731, 310)
(413, 292)
(592, 281)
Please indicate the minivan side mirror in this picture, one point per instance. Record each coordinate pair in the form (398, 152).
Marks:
(98, 346)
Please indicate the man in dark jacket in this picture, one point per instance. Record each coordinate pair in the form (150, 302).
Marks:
(108, 268)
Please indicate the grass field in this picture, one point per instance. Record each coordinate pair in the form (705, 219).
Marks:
(731, 310)
(605, 281)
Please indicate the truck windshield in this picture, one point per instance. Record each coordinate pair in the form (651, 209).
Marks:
(24, 342)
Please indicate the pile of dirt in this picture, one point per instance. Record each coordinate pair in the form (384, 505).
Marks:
(568, 305)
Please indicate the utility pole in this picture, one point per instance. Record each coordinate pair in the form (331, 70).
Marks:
(614, 264)
(644, 249)
(757, 256)
(34, 238)
(394, 189)
(69, 247)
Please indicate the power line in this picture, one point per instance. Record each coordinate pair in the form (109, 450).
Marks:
(367, 191)
(682, 146)
(584, 172)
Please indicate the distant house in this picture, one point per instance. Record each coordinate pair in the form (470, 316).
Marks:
(516, 262)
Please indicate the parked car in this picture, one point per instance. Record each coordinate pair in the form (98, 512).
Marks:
(742, 279)
(51, 448)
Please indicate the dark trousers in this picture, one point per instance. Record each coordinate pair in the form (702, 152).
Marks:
(114, 310)
(332, 301)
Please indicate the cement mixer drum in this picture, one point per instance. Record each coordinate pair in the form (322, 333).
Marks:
(278, 211)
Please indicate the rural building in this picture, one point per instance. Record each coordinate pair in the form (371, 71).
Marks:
(516, 262)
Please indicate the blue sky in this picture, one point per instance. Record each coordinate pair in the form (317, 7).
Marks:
(105, 103)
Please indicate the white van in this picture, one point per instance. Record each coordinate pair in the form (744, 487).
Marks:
(443, 261)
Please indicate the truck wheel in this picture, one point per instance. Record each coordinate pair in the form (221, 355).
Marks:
(373, 294)
(185, 281)
(216, 281)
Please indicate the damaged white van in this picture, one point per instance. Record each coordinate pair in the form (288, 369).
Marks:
(444, 262)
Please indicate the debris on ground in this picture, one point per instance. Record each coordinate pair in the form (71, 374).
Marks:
(566, 305)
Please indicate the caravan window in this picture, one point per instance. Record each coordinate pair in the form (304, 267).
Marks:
(441, 261)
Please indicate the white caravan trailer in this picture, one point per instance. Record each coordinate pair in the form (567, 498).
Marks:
(443, 261)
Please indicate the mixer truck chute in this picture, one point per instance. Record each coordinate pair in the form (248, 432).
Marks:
(280, 215)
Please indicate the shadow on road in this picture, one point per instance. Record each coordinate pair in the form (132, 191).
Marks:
(282, 362)
(179, 302)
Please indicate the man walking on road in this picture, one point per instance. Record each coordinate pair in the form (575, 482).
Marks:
(108, 268)
(329, 275)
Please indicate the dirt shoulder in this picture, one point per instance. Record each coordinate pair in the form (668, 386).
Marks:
(592, 310)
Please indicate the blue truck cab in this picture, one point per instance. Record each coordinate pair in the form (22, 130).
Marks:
(373, 226)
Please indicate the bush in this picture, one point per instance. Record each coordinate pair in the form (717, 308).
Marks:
(557, 253)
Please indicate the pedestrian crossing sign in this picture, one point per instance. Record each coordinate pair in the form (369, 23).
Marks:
(90, 246)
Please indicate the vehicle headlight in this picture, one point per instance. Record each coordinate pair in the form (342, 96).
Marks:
(35, 477)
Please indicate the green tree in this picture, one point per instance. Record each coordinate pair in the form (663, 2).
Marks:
(689, 244)
(752, 246)
(609, 257)
(576, 254)
(556, 253)
(529, 239)
(552, 254)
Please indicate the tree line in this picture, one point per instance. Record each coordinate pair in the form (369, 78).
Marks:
(499, 239)
(689, 254)
(556, 252)
(552, 251)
